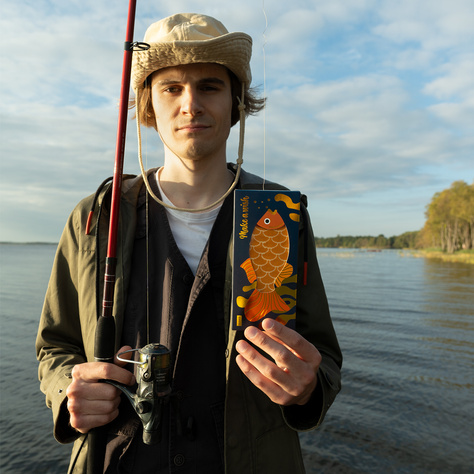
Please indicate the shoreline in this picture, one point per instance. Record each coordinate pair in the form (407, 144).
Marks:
(461, 256)
(457, 257)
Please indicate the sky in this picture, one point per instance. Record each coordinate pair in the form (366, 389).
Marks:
(370, 105)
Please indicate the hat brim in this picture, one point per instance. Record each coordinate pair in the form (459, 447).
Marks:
(232, 50)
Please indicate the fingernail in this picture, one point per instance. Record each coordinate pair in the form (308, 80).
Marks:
(269, 323)
(240, 347)
(251, 332)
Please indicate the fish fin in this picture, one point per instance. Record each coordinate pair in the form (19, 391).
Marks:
(260, 304)
(284, 274)
(248, 268)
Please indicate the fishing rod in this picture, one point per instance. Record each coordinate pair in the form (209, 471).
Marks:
(104, 348)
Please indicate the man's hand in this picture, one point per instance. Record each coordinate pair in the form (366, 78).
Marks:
(92, 403)
(291, 377)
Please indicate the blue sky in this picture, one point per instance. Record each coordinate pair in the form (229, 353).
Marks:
(370, 105)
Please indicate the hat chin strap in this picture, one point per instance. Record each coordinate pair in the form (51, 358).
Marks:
(240, 159)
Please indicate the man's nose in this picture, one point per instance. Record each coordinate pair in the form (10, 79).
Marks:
(191, 103)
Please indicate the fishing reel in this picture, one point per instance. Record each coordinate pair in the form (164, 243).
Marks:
(153, 388)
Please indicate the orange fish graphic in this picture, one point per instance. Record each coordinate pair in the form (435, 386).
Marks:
(267, 266)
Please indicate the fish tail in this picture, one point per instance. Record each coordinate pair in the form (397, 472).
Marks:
(260, 304)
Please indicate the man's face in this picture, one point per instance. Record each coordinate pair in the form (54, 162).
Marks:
(193, 105)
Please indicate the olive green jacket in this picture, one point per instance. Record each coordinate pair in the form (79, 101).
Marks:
(260, 436)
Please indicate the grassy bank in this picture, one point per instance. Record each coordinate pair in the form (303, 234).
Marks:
(463, 256)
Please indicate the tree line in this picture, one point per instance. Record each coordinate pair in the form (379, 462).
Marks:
(449, 225)
(403, 241)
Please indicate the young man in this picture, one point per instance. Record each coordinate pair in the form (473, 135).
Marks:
(237, 399)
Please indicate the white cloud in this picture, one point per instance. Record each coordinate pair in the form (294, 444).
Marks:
(433, 25)
(457, 79)
(361, 123)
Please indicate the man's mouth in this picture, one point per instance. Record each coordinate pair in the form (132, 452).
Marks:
(193, 127)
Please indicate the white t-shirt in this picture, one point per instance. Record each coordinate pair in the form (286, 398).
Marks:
(190, 229)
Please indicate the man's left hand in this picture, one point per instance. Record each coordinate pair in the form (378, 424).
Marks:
(290, 378)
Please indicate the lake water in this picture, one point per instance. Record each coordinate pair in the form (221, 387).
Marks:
(406, 328)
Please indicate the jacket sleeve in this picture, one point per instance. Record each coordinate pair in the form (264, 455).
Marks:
(59, 343)
(314, 323)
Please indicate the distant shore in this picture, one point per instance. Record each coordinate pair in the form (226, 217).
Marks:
(462, 256)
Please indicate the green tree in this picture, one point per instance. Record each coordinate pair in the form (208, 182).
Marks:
(407, 240)
(450, 218)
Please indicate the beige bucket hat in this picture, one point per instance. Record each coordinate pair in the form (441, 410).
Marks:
(189, 38)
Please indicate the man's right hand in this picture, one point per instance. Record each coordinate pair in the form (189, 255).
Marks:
(92, 403)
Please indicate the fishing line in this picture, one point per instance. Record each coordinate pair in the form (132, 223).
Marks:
(147, 240)
(147, 244)
(264, 94)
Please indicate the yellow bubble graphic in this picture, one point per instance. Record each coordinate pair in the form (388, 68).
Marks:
(287, 200)
(241, 301)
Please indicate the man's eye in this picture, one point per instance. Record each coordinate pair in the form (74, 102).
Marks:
(209, 88)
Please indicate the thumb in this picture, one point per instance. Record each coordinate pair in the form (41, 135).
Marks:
(127, 356)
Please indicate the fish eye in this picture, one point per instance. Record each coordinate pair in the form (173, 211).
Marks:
(267, 221)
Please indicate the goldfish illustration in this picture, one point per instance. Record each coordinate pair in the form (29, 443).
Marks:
(267, 266)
